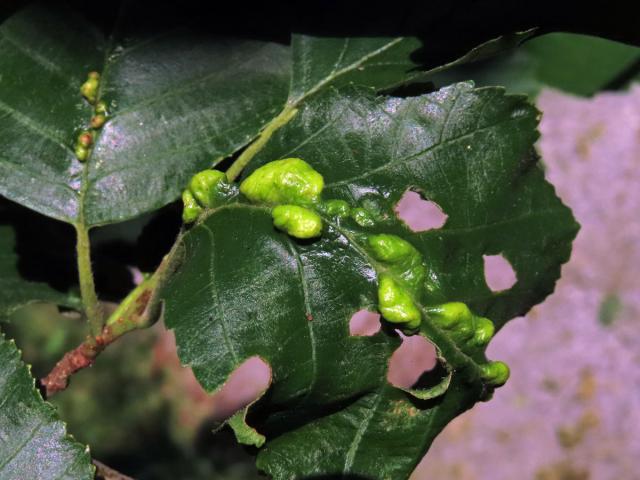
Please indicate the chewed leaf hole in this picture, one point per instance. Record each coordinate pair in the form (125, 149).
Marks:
(364, 323)
(498, 273)
(411, 361)
(419, 214)
(245, 385)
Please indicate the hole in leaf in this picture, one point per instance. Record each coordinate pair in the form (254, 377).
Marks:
(419, 214)
(410, 361)
(364, 323)
(498, 273)
(245, 385)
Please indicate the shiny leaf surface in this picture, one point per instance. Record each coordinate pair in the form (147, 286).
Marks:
(33, 441)
(177, 102)
(246, 289)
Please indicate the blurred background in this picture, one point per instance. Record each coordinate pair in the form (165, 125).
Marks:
(571, 410)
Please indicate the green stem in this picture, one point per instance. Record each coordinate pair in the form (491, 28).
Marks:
(131, 313)
(140, 309)
(245, 157)
(92, 307)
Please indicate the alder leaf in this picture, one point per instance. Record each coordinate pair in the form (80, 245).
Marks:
(176, 104)
(245, 289)
(33, 441)
(178, 100)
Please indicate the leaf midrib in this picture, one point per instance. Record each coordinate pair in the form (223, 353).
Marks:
(461, 360)
(307, 306)
(338, 73)
(216, 297)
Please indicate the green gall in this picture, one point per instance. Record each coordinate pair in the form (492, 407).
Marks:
(82, 153)
(191, 209)
(290, 181)
(89, 89)
(395, 303)
(85, 139)
(462, 324)
(101, 107)
(452, 315)
(97, 121)
(484, 330)
(495, 373)
(390, 248)
(363, 217)
(402, 258)
(336, 208)
(204, 187)
(299, 222)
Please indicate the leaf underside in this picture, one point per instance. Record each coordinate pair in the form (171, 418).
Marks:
(33, 441)
(246, 289)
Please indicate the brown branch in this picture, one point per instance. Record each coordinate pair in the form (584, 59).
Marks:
(107, 473)
(133, 313)
(140, 309)
(77, 359)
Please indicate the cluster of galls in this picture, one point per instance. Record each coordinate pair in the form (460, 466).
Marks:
(472, 334)
(293, 190)
(89, 91)
(205, 190)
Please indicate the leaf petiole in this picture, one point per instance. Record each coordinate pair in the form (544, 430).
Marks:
(92, 307)
(252, 150)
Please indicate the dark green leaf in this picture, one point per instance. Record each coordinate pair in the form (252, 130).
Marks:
(246, 289)
(577, 64)
(178, 103)
(33, 441)
(378, 62)
(15, 290)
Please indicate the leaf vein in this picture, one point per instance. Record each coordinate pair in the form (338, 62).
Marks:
(335, 74)
(45, 63)
(415, 156)
(307, 305)
(216, 298)
(28, 122)
(357, 439)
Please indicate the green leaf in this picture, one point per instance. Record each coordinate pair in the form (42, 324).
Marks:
(33, 441)
(577, 64)
(376, 62)
(246, 289)
(15, 290)
(177, 102)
